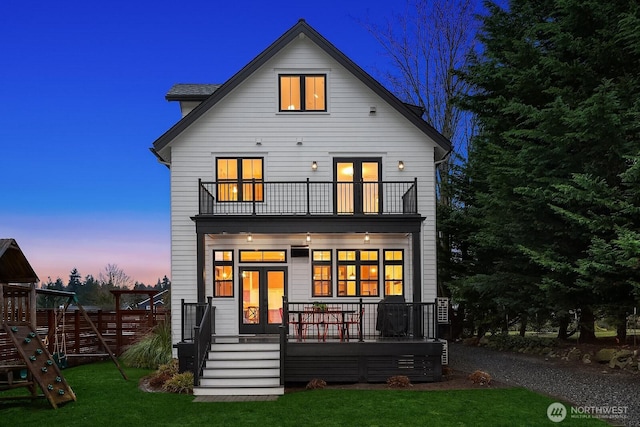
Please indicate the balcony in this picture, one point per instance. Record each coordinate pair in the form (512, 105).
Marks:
(308, 198)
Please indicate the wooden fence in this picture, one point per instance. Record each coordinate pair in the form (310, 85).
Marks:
(118, 329)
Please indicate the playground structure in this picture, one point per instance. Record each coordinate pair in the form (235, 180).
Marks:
(25, 360)
(36, 343)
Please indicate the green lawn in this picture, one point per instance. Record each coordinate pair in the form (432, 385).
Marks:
(105, 399)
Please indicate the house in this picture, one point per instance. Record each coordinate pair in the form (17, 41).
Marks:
(301, 180)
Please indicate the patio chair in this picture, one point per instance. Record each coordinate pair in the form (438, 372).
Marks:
(352, 319)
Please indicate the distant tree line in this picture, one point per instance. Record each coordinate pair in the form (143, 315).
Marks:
(92, 292)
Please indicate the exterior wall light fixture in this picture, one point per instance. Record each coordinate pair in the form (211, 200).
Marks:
(314, 166)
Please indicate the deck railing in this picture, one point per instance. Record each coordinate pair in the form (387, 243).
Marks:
(202, 340)
(308, 198)
(359, 320)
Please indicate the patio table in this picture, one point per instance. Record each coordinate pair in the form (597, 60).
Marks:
(321, 319)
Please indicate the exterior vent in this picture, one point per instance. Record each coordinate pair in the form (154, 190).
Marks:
(299, 251)
(445, 352)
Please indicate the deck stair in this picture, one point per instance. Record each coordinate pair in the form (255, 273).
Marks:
(241, 367)
(40, 363)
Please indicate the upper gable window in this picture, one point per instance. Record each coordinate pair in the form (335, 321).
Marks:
(303, 92)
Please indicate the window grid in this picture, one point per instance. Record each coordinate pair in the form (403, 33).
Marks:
(303, 92)
(239, 179)
(223, 274)
(321, 267)
(393, 272)
(358, 273)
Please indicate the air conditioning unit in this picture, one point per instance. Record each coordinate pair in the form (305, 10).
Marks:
(443, 309)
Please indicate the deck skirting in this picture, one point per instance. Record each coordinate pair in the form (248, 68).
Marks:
(420, 361)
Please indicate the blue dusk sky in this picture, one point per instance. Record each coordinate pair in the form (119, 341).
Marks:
(84, 85)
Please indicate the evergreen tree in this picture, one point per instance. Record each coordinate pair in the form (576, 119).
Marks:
(555, 94)
(74, 280)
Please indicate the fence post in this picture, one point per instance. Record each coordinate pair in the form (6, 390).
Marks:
(76, 321)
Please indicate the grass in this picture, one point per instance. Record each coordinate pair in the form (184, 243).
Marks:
(105, 399)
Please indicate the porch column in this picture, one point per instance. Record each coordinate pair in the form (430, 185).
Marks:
(200, 266)
(417, 282)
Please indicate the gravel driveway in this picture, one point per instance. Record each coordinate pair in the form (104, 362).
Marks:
(582, 386)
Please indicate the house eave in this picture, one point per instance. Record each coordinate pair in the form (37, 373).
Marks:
(286, 224)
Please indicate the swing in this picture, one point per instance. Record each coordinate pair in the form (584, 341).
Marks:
(60, 345)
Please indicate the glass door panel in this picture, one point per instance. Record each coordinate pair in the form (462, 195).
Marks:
(250, 297)
(370, 178)
(344, 190)
(275, 292)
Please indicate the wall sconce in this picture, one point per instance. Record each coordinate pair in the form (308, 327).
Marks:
(372, 110)
(298, 141)
(400, 165)
(367, 239)
(249, 238)
(308, 237)
(258, 141)
(314, 166)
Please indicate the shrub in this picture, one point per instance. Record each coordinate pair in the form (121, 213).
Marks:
(520, 344)
(399, 381)
(163, 374)
(180, 383)
(152, 350)
(316, 384)
(480, 377)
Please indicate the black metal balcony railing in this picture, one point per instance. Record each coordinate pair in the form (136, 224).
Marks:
(308, 198)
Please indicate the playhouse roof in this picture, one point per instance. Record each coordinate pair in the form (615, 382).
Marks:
(14, 267)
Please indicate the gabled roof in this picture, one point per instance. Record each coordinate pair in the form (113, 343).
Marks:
(14, 267)
(300, 28)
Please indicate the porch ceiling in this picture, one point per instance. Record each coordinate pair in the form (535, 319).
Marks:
(302, 224)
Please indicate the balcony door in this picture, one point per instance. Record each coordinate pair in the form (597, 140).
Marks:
(262, 289)
(357, 187)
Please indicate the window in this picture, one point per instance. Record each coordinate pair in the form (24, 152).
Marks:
(358, 273)
(393, 273)
(321, 274)
(239, 180)
(223, 274)
(263, 256)
(303, 92)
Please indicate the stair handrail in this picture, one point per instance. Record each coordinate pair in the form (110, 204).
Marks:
(202, 341)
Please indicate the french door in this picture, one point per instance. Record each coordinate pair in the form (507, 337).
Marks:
(262, 289)
(357, 188)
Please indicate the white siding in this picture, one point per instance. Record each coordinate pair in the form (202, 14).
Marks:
(250, 112)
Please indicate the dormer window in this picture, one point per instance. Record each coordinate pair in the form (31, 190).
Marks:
(303, 92)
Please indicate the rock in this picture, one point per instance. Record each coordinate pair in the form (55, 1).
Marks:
(574, 354)
(586, 358)
(483, 341)
(621, 359)
(604, 355)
